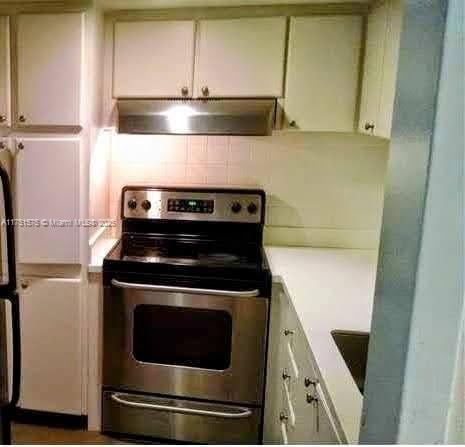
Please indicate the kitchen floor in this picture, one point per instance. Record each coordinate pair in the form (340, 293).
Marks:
(40, 434)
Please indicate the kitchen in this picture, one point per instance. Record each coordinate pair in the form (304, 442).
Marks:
(269, 124)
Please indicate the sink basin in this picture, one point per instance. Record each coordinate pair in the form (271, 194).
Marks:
(353, 347)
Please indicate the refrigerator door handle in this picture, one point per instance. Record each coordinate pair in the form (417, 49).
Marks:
(10, 287)
(16, 350)
(8, 290)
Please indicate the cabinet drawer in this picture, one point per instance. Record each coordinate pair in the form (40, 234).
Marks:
(297, 353)
(288, 404)
(291, 371)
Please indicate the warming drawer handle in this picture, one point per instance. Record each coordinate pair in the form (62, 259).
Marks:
(174, 289)
(119, 398)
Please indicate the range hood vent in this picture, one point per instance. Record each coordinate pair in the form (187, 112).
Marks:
(197, 116)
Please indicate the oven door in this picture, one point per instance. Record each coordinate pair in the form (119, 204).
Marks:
(186, 342)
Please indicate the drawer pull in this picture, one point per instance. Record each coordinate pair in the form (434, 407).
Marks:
(283, 417)
(308, 382)
(285, 375)
(288, 332)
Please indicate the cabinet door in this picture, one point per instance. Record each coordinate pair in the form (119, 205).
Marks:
(49, 69)
(51, 374)
(322, 73)
(373, 69)
(47, 192)
(241, 57)
(390, 64)
(4, 72)
(313, 421)
(153, 59)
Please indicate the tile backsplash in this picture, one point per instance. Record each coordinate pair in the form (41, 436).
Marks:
(323, 189)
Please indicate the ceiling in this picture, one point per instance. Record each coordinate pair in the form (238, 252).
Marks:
(149, 4)
(162, 4)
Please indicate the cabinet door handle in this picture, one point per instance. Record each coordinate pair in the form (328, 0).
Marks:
(205, 91)
(370, 126)
(293, 124)
(283, 417)
(184, 91)
(2, 118)
(285, 375)
(22, 119)
(288, 332)
(311, 399)
(20, 146)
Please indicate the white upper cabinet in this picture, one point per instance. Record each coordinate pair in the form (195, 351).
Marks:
(153, 59)
(49, 52)
(390, 63)
(47, 188)
(4, 72)
(323, 73)
(373, 68)
(380, 68)
(240, 57)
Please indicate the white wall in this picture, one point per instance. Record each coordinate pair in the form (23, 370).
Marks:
(455, 429)
(322, 189)
(435, 343)
(99, 176)
(98, 139)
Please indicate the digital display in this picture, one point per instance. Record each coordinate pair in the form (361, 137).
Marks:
(191, 206)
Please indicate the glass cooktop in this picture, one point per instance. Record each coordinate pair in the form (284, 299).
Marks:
(187, 252)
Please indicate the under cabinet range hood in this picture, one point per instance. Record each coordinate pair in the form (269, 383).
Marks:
(197, 116)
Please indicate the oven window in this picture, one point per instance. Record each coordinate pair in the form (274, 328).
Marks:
(170, 335)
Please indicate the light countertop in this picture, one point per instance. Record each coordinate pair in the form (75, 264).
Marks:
(98, 251)
(330, 289)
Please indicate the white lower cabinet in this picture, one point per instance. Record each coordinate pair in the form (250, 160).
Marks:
(296, 409)
(51, 344)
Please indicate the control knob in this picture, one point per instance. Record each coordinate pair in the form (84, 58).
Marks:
(236, 207)
(146, 205)
(252, 208)
(132, 204)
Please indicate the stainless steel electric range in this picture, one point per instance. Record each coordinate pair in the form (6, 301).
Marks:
(186, 308)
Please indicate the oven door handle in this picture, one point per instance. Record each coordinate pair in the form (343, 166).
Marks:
(120, 399)
(194, 290)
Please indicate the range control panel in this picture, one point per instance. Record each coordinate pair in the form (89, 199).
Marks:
(206, 204)
(191, 206)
